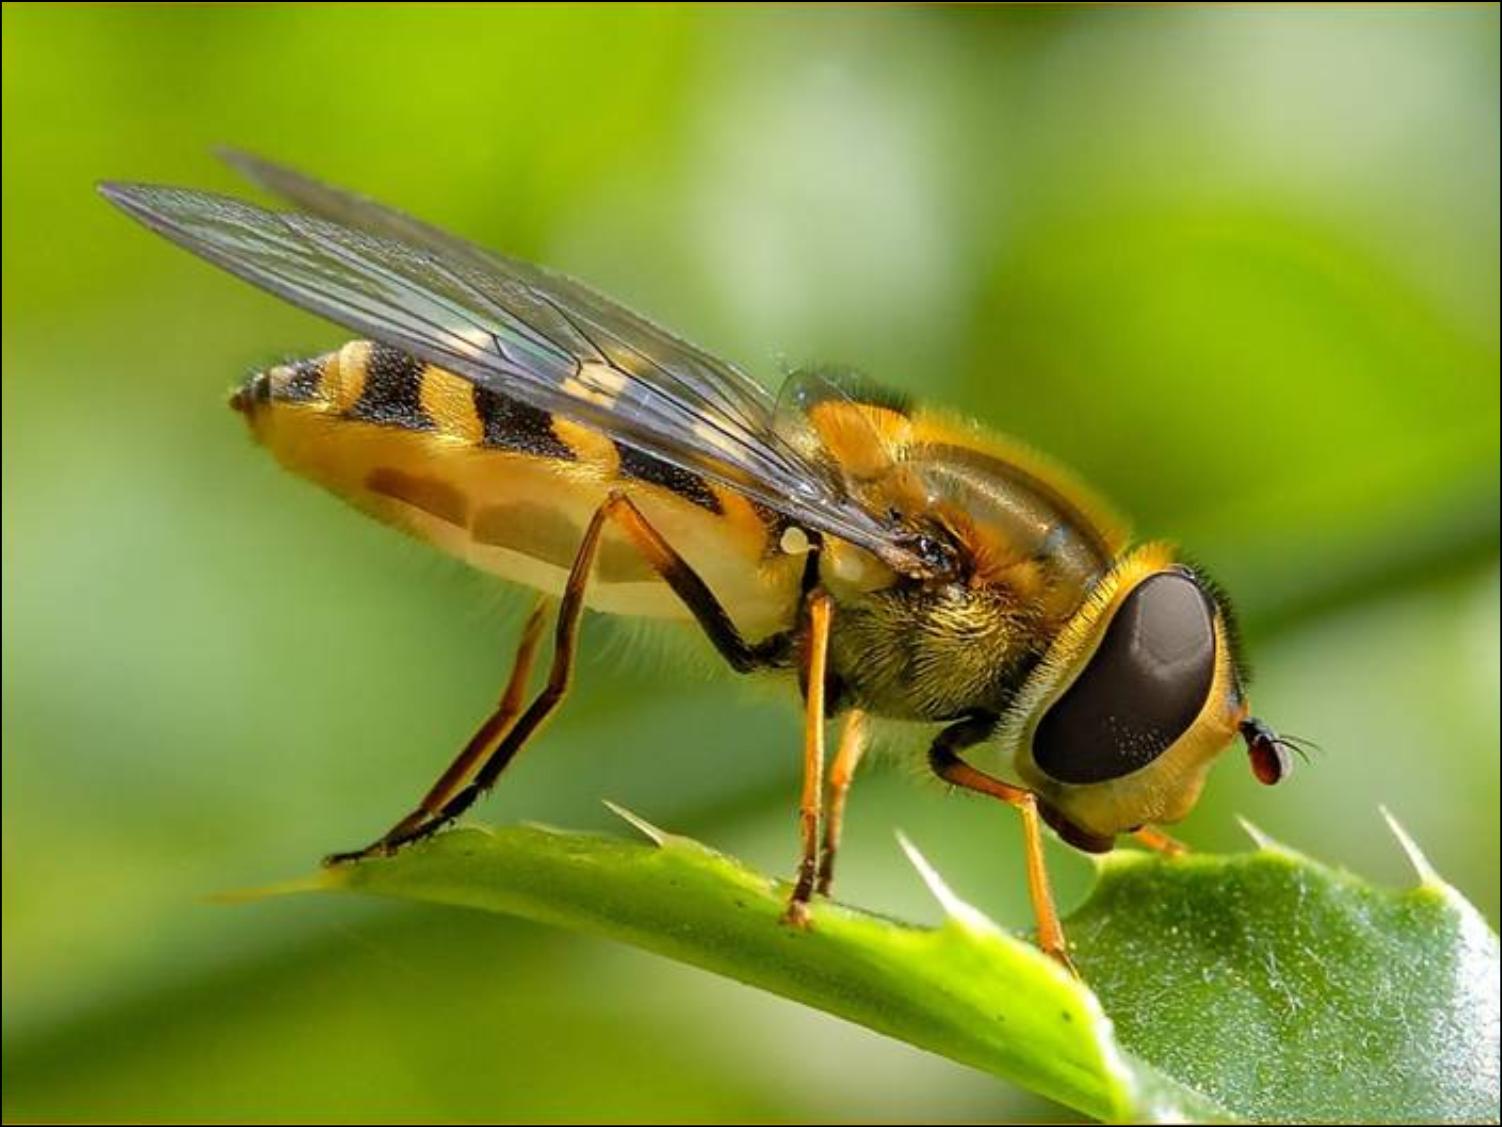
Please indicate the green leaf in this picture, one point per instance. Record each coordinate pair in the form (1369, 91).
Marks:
(1290, 992)
(1261, 986)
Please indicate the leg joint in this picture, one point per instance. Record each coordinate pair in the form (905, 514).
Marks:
(694, 593)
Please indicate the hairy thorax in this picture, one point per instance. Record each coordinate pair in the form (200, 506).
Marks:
(934, 652)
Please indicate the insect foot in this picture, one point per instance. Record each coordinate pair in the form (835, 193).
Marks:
(1062, 958)
(797, 915)
(377, 849)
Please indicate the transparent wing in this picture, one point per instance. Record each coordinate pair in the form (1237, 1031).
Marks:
(653, 354)
(517, 330)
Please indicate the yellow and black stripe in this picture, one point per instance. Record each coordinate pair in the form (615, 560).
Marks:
(503, 484)
(509, 424)
(375, 383)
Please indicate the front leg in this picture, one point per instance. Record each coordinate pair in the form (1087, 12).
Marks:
(1159, 841)
(944, 759)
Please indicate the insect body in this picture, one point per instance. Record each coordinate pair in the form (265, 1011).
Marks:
(897, 563)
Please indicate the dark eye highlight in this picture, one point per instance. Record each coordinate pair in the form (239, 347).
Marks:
(1142, 689)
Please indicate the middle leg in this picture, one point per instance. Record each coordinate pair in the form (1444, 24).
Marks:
(846, 759)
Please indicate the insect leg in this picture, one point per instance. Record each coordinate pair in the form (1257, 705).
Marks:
(675, 572)
(694, 592)
(480, 744)
(1160, 841)
(944, 758)
(565, 638)
(744, 657)
(846, 759)
(816, 664)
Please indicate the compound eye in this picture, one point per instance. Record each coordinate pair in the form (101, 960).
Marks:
(1142, 689)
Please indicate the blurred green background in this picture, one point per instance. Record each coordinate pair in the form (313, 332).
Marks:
(1237, 266)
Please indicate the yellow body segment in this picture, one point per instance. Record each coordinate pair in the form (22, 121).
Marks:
(408, 444)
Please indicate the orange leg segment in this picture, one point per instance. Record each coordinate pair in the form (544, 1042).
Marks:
(945, 760)
(816, 665)
(846, 758)
(1157, 840)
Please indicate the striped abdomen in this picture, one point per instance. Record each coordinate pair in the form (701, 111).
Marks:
(509, 488)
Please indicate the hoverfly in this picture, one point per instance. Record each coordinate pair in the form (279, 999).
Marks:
(896, 563)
